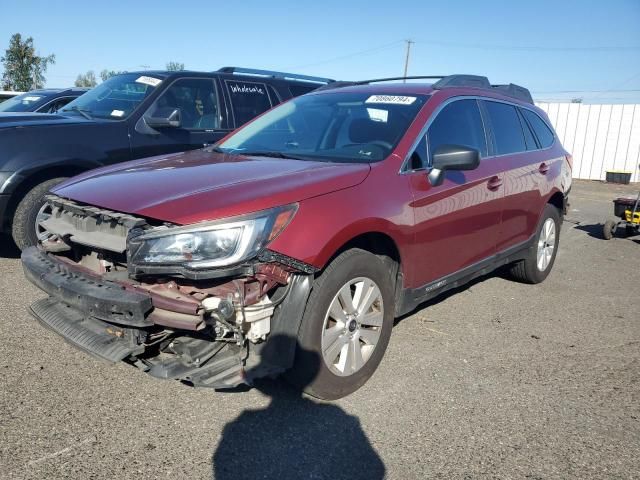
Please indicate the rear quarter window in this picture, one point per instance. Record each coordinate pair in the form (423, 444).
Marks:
(543, 132)
(297, 90)
(506, 128)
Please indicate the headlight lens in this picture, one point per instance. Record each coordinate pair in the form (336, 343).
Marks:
(210, 244)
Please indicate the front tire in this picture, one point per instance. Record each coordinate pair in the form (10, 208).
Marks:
(542, 255)
(23, 229)
(346, 326)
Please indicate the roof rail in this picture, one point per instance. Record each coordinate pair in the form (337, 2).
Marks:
(274, 74)
(514, 91)
(450, 81)
(462, 81)
(340, 84)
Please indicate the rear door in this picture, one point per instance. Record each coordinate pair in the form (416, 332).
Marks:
(516, 150)
(203, 119)
(456, 222)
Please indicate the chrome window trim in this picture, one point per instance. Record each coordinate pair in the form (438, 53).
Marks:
(423, 131)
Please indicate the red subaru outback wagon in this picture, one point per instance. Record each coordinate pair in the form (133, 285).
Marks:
(292, 244)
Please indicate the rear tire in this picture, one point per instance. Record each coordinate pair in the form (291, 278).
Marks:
(346, 326)
(23, 228)
(608, 229)
(542, 255)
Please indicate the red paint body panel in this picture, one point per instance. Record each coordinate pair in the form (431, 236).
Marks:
(197, 186)
(437, 230)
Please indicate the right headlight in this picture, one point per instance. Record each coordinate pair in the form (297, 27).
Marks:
(210, 244)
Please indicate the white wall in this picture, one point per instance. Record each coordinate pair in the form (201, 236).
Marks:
(600, 137)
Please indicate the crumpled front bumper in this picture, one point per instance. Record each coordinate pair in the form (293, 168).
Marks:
(112, 323)
(103, 300)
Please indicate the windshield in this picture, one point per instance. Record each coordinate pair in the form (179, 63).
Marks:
(22, 103)
(337, 127)
(114, 99)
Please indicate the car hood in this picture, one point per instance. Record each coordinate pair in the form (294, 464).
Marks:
(28, 119)
(196, 186)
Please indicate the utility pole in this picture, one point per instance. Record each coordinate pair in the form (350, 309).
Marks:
(406, 60)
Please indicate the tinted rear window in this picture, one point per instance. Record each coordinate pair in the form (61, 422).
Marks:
(248, 100)
(297, 90)
(507, 131)
(528, 135)
(459, 123)
(542, 130)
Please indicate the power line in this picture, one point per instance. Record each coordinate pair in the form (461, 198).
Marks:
(603, 48)
(350, 55)
(585, 91)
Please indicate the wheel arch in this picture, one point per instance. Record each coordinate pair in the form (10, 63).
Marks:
(557, 200)
(22, 181)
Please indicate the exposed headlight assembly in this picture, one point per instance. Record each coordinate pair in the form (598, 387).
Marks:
(207, 245)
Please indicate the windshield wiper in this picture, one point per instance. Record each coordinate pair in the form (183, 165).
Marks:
(267, 153)
(81, 111)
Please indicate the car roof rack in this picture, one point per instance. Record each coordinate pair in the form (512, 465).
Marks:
(344, 83)
(515, 91)
(274, 74)
(449, 81)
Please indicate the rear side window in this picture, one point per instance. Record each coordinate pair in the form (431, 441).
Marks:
(297, 90)
(542, 130)
(459, 123)
(248, 100)
(529, 139)
(507, 131)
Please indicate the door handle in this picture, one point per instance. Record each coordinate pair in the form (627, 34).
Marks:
(494, 183)
(543, 168)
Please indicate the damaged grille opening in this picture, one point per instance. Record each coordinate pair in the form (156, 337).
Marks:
(232, 308)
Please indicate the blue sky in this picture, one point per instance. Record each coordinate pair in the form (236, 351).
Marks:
(558, 49)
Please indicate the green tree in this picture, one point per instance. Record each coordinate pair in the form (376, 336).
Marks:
(175, 66)
(24, 69)
(86, 79)
(107, 74)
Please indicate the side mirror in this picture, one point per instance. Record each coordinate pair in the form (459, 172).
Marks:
(164, 118)
(452, 157)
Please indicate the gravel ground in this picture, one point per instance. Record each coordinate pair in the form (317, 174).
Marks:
(497, 380)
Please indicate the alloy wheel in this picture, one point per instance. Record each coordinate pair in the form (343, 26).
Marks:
(546, 244)
(352, 326)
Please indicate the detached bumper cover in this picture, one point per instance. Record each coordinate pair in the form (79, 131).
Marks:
(88, 334)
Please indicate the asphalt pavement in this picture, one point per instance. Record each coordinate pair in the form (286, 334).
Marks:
(496, 380)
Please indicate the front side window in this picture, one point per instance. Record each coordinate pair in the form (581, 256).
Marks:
(22, 103)
(116, 98)
(505, 124)
(197, 101)
(333, 126)
(459, 123)
(248, 100)
(542, 130)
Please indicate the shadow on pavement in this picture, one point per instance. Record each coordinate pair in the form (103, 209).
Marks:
(295, 437)
(593, 230)
(8, 249)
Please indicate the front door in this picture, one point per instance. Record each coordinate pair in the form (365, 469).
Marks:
(201, 114)
(456, 222)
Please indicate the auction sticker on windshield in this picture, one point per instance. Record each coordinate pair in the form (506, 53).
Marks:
(391, 99)
(154, 82)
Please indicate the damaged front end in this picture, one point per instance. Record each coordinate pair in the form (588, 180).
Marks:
(206, 304)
